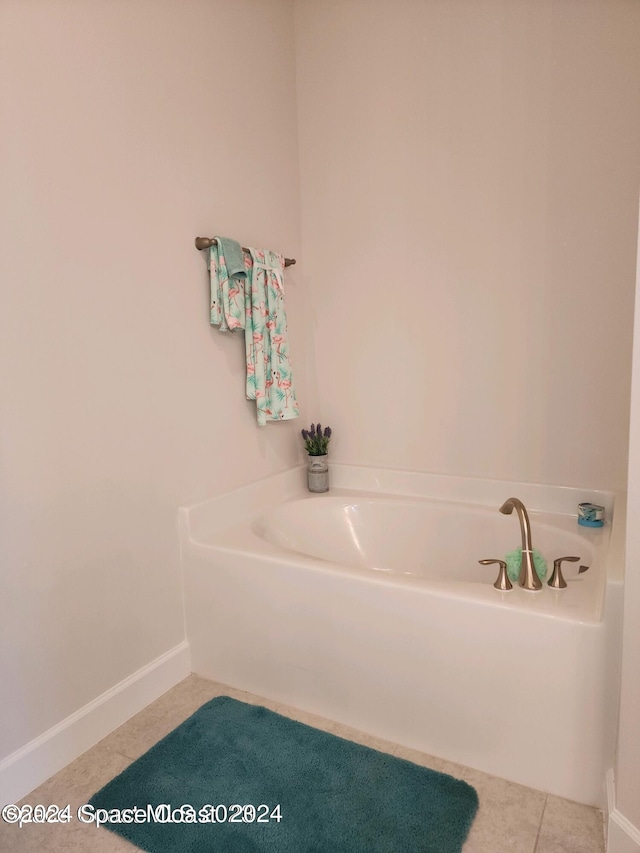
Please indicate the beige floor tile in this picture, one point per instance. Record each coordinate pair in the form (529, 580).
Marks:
(249, 698)
(141, 732)
(510, 818)
(570, 828)
(73, 785)
(363, 738)
(306, 717)
(334, 728)
(74, 837)
(425, 760)
(509, 815)
(67, 839)
(78, 781)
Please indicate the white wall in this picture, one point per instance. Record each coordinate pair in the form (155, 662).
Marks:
(469, 178)
(128, 128)
(628, 763)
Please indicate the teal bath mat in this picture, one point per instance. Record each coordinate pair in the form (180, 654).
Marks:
(237, 778)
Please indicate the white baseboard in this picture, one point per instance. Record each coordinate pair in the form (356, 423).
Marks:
(622, 835)
(34, 763)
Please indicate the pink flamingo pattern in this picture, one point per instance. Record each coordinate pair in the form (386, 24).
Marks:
(257, 307)
(227, 294)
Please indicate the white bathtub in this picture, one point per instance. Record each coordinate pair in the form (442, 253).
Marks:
(367, 605)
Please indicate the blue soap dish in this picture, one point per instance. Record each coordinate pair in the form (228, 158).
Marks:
(590, 515)
(585, 523)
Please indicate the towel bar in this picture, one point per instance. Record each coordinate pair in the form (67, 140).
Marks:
(206, 242)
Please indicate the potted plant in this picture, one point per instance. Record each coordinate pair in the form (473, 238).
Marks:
(316, 442)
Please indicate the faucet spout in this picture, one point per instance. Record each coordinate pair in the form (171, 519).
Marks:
(528, 577)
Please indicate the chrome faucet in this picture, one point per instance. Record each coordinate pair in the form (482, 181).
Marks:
(528, 577)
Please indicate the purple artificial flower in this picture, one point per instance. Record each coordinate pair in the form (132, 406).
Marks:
(312, 431)
(327, 432)
(319, 430)
(305, 434)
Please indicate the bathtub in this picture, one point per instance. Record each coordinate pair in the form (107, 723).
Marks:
(367, 605)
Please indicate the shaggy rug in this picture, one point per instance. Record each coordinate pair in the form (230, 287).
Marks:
(237, 778)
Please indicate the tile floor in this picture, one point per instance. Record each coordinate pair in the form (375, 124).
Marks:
(511, 817)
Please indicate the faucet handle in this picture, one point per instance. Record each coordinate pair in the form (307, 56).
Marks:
(556, 580)
(503, 581)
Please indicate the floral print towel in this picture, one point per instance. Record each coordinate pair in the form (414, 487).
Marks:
(257, 306)
(227, 294)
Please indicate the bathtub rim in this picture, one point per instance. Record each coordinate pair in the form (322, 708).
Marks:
(537, 497)
(228, 519)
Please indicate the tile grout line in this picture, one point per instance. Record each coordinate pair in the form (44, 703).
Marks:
(544, 808)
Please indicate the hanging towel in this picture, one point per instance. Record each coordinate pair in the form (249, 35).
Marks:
(257, 306)
(233, 256)
(269, 376)
(227, 293)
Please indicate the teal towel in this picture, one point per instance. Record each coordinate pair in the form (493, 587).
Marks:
(233, 257)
